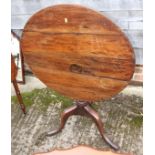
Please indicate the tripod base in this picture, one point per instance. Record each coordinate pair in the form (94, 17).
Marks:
(83, 108)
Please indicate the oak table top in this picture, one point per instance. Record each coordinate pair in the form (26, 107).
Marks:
(78, 52)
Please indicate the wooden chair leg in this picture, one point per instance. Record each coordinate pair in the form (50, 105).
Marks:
(94, 115)
(20, 100)
(64, 117)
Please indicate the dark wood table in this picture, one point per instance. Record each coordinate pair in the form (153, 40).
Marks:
(81, 54)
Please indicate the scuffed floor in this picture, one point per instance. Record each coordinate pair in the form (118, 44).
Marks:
(122, 117)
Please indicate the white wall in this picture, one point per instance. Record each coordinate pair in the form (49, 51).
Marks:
(128, 14)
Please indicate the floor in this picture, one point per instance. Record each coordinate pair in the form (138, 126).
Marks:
(122, 117)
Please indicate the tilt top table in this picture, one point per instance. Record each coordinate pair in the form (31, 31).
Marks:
(79, 53)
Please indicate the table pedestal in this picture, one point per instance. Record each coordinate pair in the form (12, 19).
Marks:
(83, 108)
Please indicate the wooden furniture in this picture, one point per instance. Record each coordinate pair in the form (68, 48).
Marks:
(79, 53)
(14, 82)
(80, 150)
(21, 60)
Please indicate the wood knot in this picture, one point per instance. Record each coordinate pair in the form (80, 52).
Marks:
(75, 68)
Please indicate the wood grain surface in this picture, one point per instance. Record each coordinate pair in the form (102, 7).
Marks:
(78, 52)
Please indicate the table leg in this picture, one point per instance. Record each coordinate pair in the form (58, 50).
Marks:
(20, 100)
(94, 115)
(64, 117)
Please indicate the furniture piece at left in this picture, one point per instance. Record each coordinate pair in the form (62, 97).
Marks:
(14, 82)
(18, 57)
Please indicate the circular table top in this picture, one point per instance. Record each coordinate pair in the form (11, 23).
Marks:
(78, 52)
